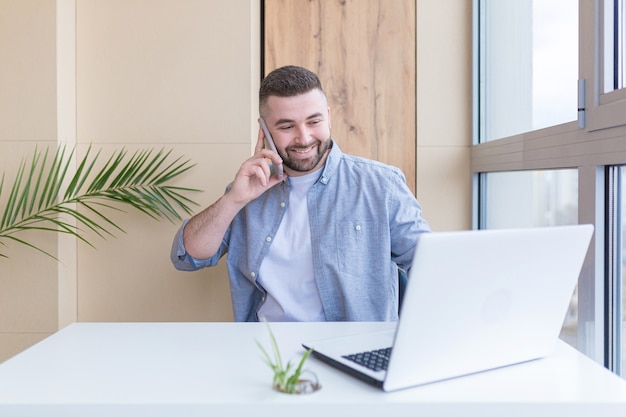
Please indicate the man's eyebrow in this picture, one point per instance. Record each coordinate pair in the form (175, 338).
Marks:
(282, 121)
(313, 116)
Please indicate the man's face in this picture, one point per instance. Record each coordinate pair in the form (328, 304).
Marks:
(300, 127)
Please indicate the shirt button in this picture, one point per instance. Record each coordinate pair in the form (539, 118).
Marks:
(268, 239)
(358, 227)
(282, 204)
(253, 274)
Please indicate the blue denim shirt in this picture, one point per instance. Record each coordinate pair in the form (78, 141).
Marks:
(364, 225)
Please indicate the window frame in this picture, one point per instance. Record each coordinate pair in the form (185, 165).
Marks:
(602, 110)
(590, 149)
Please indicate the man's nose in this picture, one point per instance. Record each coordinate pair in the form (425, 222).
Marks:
(302, 135)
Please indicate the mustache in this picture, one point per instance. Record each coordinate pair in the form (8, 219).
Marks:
(301, 147)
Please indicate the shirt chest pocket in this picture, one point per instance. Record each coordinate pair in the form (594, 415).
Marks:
(359, 247)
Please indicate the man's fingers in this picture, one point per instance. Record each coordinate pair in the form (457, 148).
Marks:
(260, 144)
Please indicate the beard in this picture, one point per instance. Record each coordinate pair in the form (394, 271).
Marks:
(305, 165)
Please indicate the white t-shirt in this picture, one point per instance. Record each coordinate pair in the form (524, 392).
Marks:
(287, 271)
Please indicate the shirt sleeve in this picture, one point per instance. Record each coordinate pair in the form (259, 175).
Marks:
(406, 224)
(182, 260)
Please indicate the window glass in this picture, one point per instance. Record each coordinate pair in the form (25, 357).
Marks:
(615, 262)
(531, 198)
(614, 45)
(622, 255)
(620, 53)
(528, 65)
(538, 198)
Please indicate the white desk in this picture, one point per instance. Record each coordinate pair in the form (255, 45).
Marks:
(215, 369)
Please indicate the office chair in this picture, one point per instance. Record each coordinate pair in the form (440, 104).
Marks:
(402, 281)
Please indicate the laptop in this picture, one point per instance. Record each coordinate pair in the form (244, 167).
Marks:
(475, 301)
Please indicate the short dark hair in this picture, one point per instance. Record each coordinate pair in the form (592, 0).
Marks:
(288, 81)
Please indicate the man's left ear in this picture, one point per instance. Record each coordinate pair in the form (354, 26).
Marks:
(329, 126)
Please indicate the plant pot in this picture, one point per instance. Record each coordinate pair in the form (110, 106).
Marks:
(303, 386)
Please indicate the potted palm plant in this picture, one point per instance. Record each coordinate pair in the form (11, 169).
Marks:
(49, 195)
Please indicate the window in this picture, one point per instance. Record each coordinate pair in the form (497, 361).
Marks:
(534, 198)
(550, 142)
(615, 46)
(604, 68)
(622, 275)
(529, 58)
(620, 45)
(616, 260)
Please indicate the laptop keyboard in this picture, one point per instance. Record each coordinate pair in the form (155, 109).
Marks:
(376, 360)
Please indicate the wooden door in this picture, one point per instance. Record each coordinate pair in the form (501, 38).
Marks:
(364, 53)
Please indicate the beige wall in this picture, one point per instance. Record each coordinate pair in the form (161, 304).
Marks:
(155, 73)
(28, 290)
(178, 74)
(444, 112)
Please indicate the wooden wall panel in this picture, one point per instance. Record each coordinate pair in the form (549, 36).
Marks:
(364, 54)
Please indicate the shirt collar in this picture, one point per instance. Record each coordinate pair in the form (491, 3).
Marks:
(332, 163)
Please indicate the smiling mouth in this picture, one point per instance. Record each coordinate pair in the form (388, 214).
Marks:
(303, 151)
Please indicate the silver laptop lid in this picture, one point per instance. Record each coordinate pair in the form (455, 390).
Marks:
(477, 300)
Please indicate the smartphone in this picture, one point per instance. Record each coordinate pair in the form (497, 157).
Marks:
(270, 142)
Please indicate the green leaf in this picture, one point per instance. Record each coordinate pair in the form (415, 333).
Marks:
(44, 190)
(283, 379)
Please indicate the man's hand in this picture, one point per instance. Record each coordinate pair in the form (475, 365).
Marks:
(253, 178)
(204, 232)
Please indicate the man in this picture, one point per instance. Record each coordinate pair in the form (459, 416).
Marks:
(325, 241)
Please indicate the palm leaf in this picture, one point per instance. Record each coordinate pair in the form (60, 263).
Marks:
(49, 196)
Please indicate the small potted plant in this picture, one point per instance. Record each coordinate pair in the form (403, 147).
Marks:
(285, 380)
